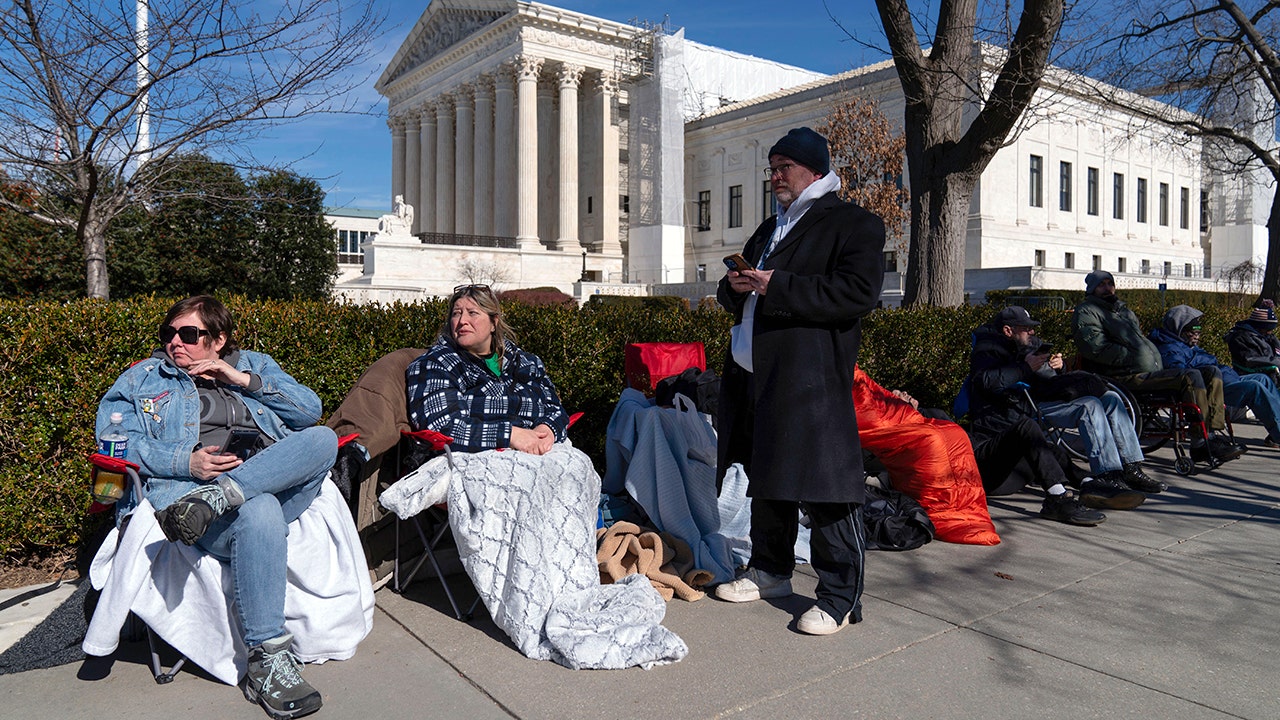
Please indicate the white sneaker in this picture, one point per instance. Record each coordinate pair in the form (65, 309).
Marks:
(753, 585)
(816, 621)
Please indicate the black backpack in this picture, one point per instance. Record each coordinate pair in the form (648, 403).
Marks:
(700, 386)
(894, 521)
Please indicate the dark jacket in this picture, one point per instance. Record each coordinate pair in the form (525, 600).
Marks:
(995, 369)
(1110, 340)
(828, 272)
(1177, 353)
(1250, 347)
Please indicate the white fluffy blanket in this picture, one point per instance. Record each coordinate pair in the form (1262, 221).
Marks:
(180, 592)
(525, 528)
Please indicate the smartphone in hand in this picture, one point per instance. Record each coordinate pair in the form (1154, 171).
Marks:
(242, 443)
(736, 262)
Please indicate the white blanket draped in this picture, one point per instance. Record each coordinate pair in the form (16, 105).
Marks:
(525, 529)
(181, 593)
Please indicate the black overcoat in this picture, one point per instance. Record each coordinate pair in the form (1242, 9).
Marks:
(827, 274)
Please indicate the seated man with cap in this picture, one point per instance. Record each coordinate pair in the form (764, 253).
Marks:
(1111, 342)
(1005, 431)
(1252, 342)
(1178, 338)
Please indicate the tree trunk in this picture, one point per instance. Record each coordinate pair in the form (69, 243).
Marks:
(93, 237)
(939, 226)
(1271, 278)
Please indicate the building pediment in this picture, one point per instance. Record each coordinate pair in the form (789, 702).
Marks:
(442, 26)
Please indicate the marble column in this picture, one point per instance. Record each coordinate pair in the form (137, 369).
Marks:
(504, 152)
(548, 174)
(397, 155)
(444, 165)
(606, 91)
(568, 79)
(426, 209)
(483, 166)
(527, 152)
(464, 168)
(412, 165)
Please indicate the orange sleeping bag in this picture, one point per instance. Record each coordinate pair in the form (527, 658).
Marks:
(930, 460)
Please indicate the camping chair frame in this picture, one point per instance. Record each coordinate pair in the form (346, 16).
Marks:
(438, 517)
(104, 463)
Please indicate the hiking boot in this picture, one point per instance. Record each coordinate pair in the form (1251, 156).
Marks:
(274, 680)
(188, 518)
(1108, 491)
(1224, 449)
(1270, 443)
(1065, 508)
(754, 585)
(1142, 482)
(816, 621)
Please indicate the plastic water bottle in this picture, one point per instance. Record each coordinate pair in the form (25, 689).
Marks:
(114, 442)
(108, 486)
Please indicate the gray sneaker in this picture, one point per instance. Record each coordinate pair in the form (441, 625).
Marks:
(275, 682)
(188, 518)
(753, 585)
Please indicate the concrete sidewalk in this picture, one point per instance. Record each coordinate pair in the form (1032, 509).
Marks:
(1168, 611)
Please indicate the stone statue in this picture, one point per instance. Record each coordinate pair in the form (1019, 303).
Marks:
(400, 221)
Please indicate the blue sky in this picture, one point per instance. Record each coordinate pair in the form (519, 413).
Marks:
(350, 155)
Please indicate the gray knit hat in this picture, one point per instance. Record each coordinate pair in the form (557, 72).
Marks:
(805, 147)
(1092, 279)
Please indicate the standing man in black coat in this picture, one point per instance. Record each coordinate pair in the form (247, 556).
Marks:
(786, 406)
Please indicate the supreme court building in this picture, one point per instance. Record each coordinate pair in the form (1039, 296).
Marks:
(542, 147)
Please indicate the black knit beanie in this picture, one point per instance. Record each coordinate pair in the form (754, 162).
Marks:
(805, 147)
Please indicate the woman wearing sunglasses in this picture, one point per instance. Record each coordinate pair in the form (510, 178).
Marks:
(232, 454)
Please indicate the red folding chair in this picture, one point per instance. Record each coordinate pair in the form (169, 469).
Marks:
(437, 518)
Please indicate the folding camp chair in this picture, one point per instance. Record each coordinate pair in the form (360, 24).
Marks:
(437, 519)
(109, 471)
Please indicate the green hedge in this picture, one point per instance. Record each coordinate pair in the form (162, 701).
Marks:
(58, 359)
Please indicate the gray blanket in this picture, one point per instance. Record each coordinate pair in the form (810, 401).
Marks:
(525, 528)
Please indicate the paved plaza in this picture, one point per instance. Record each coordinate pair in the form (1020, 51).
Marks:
(1168, 611)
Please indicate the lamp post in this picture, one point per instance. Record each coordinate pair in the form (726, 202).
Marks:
(584, 277)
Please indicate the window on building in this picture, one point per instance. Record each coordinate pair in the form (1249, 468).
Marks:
(1037, 181)
(1069, 261)
(735, 206)
(1168, 268)
(1186, 270)
(766, 201)
(1204, 212)
(1117, 196)
(349, 251)
(1091, 202)
(624, 203)
(1164, 204)
(1146, 267)
(1184, 209)
(890, 261)
(1122, 265)
(1039, 258)
(704, 210)
(588, 204)
(1064, 186)
(1140, 212)
(701, 273)
(1097, 262)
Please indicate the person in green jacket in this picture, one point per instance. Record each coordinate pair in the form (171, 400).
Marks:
(1111, 342)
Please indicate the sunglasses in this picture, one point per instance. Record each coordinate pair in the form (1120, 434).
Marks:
(189, 334)
(470, 288)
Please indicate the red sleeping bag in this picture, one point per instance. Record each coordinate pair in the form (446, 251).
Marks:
(930, 460)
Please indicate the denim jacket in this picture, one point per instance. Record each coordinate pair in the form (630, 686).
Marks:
(161, 409)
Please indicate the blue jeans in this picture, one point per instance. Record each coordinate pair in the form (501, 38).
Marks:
(279, 484)
(1258, 392)
(1104, 426)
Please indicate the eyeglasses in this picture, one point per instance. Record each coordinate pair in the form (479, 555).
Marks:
(470, 288)
(189, 334)
(779, 170)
